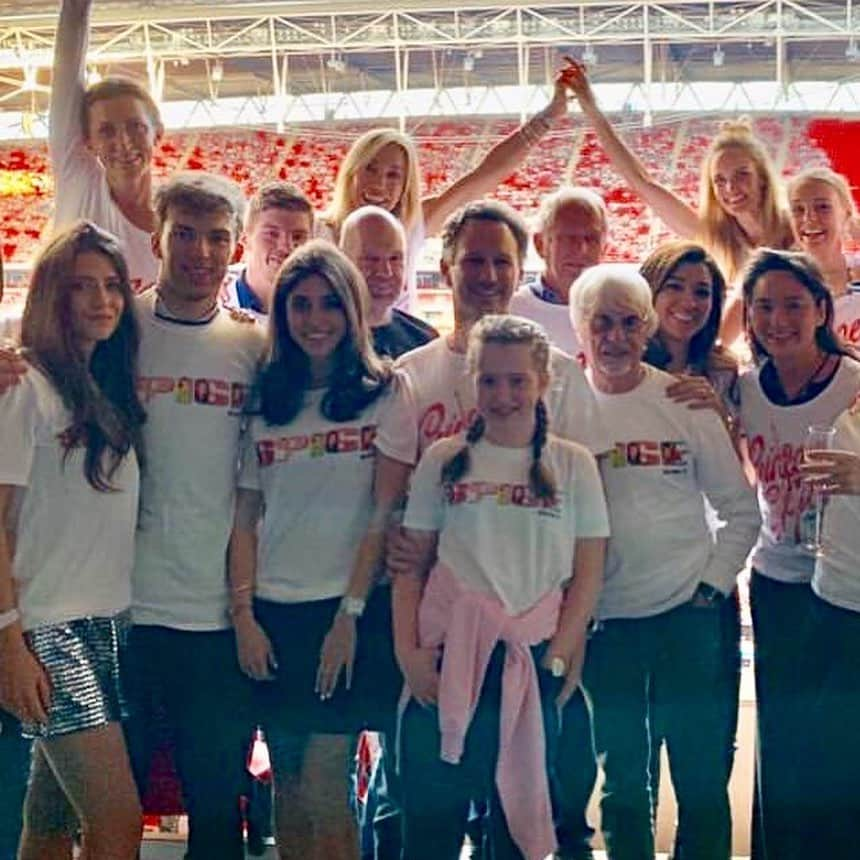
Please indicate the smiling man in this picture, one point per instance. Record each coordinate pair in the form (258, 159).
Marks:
(571, 235)
(279, 219)
(101, 140)
(376, 242)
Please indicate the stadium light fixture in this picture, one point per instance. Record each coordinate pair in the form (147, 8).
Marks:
(852, 52)
(469, 62)
(719, 56)
(217, 72)
(94, 76)
(589, 56)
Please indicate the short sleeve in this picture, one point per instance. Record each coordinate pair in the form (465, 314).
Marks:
(425, 510)
(20, 417)
(397, 428)
(249, 465)
(592, 516)
(574, 412)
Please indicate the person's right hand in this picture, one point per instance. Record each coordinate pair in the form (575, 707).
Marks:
(420, 669)
(256, 656)
(25, 690)
(12, 367)
(575, 78)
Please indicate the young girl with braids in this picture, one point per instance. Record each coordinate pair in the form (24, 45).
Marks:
(517, 522)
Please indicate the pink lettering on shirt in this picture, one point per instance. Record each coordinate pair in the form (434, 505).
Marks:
(776, 467)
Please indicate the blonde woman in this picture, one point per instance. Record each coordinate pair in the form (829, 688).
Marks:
(740, 198)
(381, 169)
(822, 210)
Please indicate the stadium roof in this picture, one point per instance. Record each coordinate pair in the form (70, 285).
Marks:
(204, 50)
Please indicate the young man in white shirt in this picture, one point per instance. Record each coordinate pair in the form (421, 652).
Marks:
(196, 363)
(376, 242)
(483, 248)
(101, 140)
(279, 219)
(571, 234)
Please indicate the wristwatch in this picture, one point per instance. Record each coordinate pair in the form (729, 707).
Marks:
(710, 594)
(352, 606)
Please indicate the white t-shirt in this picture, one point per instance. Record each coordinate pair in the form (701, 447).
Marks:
(74, 545)
(837, 572)
(846, 316)
(80, 185)
(666, 460)
(316, 478)
(775, 438)
(193, 382)
(493, 533)
(554, 318)
(444, 399)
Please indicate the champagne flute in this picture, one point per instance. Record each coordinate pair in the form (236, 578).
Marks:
(819, 437)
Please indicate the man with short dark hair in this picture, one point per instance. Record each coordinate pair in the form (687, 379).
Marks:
(196, 364)
(101, 141)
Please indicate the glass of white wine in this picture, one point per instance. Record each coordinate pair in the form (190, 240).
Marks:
(819, 437)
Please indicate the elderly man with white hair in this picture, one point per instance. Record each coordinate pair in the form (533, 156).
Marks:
(657, 643)
(571, 233)
(376, 242)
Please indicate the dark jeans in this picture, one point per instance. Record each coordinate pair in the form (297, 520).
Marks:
(676, 661)
(189, 683)
(14, 769)
(573, 778)
(730, 613)
(437, 795)
(787, 680)
(836, 729)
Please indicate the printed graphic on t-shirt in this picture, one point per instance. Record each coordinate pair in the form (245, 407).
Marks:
(670, 454)
(505, 494)
(202, 391)
(788, 498)
(342, 440)
(436, 423)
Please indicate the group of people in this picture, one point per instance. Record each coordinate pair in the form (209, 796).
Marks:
(267, 495)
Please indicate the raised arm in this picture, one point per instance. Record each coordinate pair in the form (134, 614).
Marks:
(68, 82)
(670, 208)
(338, 652)
(499, 162)
(256, 657)
(24, 687)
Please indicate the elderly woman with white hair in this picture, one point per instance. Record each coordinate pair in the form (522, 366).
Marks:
(657, 642)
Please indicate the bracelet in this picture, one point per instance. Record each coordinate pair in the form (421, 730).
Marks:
(353, 607)
(8, 618)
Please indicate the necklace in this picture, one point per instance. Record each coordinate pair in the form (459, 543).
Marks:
(804, 389)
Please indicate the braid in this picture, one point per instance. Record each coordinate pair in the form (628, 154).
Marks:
(540, 478)
(458, 465)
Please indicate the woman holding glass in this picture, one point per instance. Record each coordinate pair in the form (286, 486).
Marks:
(836, 609)
(804, 378)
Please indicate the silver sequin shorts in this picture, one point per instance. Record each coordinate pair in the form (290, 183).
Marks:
(82, 659)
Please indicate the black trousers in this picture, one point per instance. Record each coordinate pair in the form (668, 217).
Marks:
(190, 684)
(14, 769)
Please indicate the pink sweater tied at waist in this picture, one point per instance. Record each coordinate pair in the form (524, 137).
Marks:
(470, 624)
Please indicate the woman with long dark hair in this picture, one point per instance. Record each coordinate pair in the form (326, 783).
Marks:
(307, 542)
(804, 378)
(69, 487)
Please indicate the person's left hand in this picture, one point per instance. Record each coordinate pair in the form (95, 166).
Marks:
(557, 108)
(338, 653)
(835, 472)
(696, 392)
